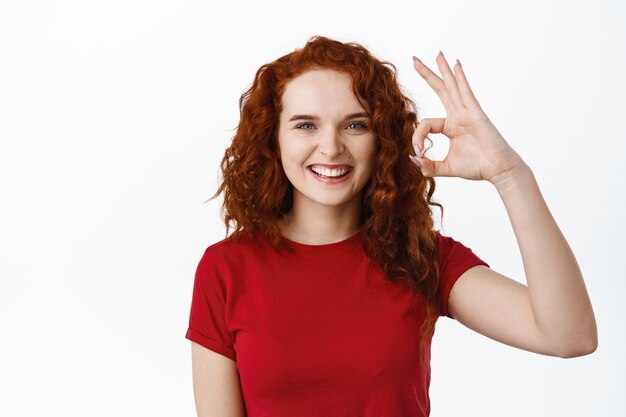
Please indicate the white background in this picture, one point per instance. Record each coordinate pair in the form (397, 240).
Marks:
(114, 116)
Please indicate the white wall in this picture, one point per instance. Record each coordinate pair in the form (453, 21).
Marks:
(113, 119)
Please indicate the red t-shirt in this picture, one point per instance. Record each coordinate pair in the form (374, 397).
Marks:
(317, 332)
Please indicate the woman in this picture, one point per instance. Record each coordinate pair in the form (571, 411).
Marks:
(323, 301)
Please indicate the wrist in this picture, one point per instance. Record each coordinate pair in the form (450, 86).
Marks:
(519, 173)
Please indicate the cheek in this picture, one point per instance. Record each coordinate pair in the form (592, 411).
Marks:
(368, 153)
(294, 151)
(285, 152)
(290, 158)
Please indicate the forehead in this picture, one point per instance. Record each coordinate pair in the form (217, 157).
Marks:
(320, 90)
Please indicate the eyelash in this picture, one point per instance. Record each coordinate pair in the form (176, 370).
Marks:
(363, 126)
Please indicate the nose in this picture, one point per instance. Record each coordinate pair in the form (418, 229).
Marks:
(331, 143)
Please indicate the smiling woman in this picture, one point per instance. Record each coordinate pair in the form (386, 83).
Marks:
(329, 162)
(323, 300)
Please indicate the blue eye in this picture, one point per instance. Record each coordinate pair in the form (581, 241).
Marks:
(361, 125)
(300, 126)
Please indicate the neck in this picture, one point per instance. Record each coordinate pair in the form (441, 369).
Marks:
(319, 224)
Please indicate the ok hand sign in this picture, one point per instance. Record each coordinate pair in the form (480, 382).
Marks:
(477, 150)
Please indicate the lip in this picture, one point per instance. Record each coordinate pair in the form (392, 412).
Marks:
(329, 166)
(331, 180)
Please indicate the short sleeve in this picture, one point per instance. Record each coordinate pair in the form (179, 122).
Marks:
(208, 316)
(454, 259)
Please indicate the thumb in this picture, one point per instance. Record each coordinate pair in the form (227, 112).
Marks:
(429, 167)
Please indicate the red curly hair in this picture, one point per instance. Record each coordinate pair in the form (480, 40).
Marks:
(396, 220)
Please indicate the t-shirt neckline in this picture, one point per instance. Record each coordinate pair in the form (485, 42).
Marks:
(325, 246)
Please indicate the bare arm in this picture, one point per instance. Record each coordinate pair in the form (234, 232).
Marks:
(216, 385)
(562, 308)
(553, 314)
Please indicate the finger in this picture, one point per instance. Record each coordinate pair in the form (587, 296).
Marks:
(434, 82)
(430, 168)
(426, 126)
(467, 95)
(449, 80)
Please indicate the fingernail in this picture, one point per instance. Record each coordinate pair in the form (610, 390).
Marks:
(418, 152)
(416, 59)
(415, 161)
(440, 53)
(458, 62)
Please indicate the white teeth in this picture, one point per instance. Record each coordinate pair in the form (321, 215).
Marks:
(329, 172)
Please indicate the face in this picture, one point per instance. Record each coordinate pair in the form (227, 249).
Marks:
(326, 143)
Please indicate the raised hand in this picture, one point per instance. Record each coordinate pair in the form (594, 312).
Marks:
(477, 150)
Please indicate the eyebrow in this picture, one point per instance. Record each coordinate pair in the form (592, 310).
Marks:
(311, 117)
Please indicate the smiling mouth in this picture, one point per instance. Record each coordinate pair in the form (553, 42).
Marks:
(329, 173)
